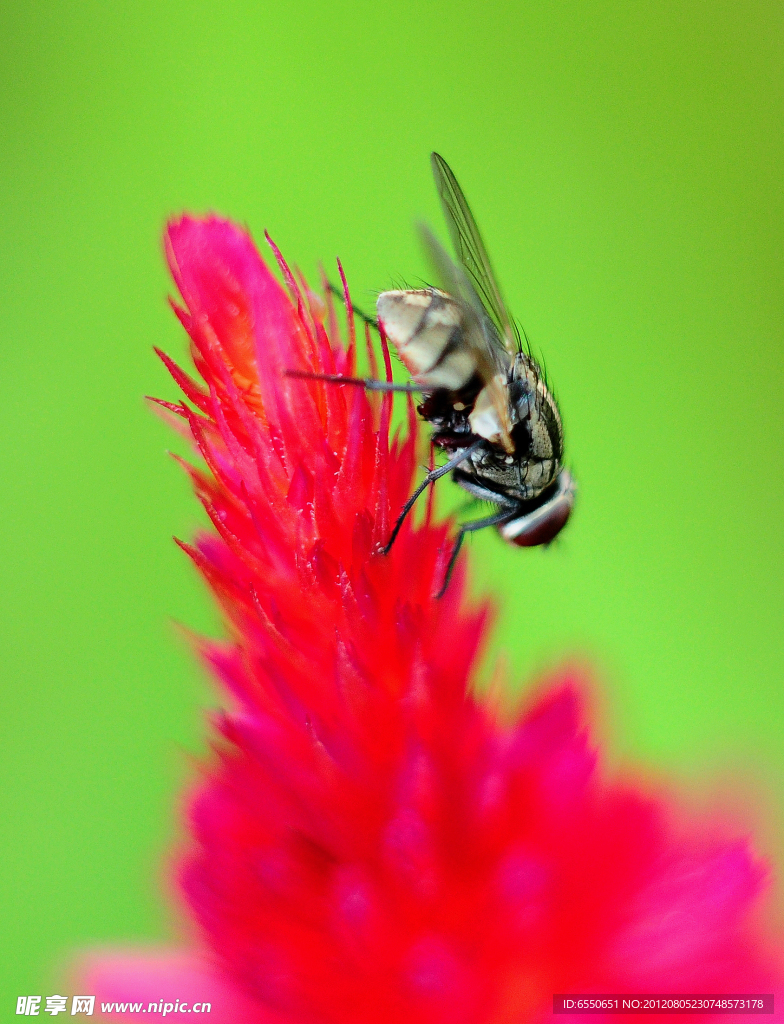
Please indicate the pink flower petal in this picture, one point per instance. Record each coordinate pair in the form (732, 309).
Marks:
(164, 976)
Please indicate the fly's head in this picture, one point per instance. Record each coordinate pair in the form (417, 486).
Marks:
(543, 520)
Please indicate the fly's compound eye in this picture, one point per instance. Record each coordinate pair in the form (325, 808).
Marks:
(544, 523)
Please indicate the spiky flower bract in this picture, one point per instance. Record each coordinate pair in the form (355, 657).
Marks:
(370, 842)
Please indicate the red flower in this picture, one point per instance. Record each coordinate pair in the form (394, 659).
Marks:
(371, 843)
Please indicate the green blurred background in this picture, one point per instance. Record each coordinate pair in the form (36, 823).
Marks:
(624, 162)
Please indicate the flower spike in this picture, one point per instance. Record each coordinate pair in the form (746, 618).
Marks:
(370, 841)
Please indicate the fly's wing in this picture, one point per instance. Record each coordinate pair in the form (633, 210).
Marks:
(470, 250)
(490, 359)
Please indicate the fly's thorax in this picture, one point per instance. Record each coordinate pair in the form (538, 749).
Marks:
(426, 327)
(520, 477)
(537, 430)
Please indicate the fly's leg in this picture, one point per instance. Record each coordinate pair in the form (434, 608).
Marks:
(505, 512)
(431, 478)
(363, 316)
(363, 382)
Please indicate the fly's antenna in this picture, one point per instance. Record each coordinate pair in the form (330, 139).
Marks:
(363, 316)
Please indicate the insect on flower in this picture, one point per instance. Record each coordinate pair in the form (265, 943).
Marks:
(371, 840)
(483, 393)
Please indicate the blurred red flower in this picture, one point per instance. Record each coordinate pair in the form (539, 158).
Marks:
(372, 843)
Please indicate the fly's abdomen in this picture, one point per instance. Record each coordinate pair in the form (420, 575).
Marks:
(426, 326)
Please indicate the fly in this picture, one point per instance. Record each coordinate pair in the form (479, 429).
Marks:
(484, 395)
